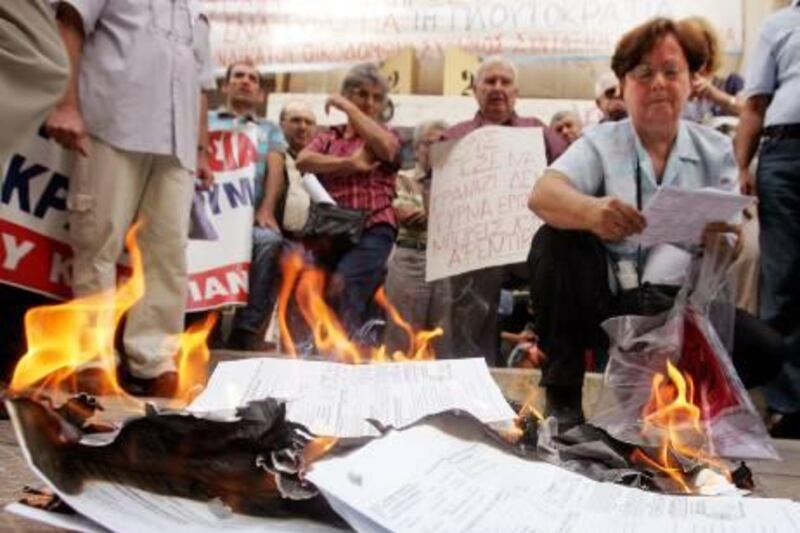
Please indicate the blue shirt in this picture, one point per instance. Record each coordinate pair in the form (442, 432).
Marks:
(270, 138)
(774, 66)
(603, 162)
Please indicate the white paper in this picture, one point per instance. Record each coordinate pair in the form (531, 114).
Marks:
(479, 214)
(678, 215)
(124, 509)
(338, 399)
(74, 522)
(432, 478)
(315, 190)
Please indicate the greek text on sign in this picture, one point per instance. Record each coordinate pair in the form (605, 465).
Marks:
(479, 216)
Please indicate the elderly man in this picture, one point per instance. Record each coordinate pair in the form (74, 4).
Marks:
(420, 303)
(34, 69)
(771, 113)
(567, 124)
(244, 98)
(299, 125)
(133, 110)
(476, 295)
(608, 97)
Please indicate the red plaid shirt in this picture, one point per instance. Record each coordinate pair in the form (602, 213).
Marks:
(370, 191)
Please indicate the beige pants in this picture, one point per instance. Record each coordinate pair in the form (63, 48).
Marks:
(34, 69)
(110, 190)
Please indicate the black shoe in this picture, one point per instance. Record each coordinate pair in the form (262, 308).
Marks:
(786, 427)
(247, 341)
(565, 405)
(164, 385)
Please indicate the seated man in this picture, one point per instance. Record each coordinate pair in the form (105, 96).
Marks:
(592, 200)
(244, 97)
(567, 124)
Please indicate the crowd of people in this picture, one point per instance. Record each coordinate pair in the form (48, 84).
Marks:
(127, 90)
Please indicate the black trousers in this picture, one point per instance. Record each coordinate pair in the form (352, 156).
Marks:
(571, 298)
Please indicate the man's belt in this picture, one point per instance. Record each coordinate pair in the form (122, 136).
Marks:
(412, 244)
(782, 131)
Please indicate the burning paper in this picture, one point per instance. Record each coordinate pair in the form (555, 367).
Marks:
(338, 399)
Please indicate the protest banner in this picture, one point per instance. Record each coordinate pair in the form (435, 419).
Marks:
(479, 215)
(34, 246)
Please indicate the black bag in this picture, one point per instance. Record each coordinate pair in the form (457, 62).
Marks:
(340, 225)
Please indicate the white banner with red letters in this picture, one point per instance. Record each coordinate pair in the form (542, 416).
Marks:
(34, 246)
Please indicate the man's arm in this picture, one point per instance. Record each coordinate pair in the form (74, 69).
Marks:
(204, 172)
(316, 163)
(379, 140)
(751, 122)
(65, 124)
(274, 185)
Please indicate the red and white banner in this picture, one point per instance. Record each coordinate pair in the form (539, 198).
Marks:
(34, 246)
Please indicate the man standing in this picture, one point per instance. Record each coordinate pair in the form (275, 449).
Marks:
(132, 111)
(476, 295)
(244, 93)
(771, 113)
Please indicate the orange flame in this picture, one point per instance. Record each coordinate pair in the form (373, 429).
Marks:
(69, 337)
(63, 337)
(308, 284)
(672, 418)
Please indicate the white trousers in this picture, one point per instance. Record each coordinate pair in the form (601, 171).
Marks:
(110, 190)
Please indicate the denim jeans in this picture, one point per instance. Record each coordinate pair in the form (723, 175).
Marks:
(360, 269)
(263, 281)
(779, 216)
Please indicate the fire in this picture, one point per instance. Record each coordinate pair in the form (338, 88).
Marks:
(308, 285)
(67, 337)
(672, 418)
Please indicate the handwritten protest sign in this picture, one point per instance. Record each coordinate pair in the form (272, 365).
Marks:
(478, 207)
(34, 243)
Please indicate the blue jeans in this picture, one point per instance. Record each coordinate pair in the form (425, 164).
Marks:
(360, 269)
(779, 216)
(263, 281)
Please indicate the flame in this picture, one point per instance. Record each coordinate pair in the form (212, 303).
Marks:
(317, 448)
(63, 337)
(192, 360)
(308, 284)
(672, 418)
(513, 433)
(69, 337)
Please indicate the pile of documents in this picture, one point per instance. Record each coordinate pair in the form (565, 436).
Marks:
(429, 474)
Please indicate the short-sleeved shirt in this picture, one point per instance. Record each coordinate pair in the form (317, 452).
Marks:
(371, 191)
(270, 138)
(603, 162)
(143, 65)
(554, 143)
(774, 66)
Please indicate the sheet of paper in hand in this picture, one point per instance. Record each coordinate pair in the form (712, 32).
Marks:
(678, 216)
(479, 214)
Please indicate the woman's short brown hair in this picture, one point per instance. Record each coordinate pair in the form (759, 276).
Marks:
(641, 40)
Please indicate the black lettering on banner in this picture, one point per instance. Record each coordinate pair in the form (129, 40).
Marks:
(18, 179)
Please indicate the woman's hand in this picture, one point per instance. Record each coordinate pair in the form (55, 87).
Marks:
(611, 219)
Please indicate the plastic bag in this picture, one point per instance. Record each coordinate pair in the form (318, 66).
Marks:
(696, 335)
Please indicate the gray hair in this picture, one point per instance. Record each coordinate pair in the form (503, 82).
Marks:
(424, 127)
(298, 105)
(361, 75)
(496, 61)
(561, 115)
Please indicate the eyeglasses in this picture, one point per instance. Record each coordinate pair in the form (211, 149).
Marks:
(645, 73)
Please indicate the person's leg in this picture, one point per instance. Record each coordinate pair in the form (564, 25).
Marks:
(105, 190)
(34, 69)
(361, 270)
(250, 321)
(779, 217)
(570, 296)
(155, 322)
(407, 291)
(473, 314)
